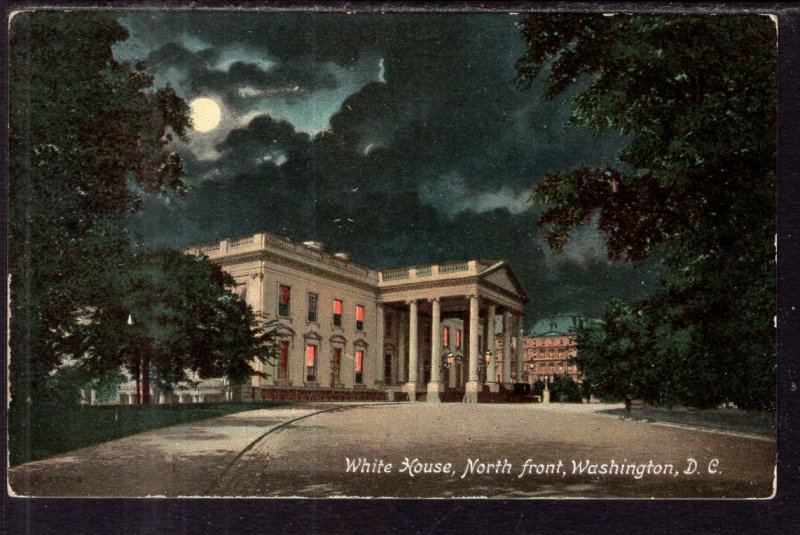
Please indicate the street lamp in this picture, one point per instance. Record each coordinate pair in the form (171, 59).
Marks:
(450, 358)
(487, 359)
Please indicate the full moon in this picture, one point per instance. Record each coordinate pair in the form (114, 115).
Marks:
(205, 114)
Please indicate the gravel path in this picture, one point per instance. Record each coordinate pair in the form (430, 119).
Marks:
(304, 452)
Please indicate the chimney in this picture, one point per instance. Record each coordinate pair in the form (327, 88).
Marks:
(342, 256)
(318, 245)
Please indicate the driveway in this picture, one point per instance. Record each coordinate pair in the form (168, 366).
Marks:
(447, 450)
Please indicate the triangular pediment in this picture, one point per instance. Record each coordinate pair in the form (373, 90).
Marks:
(501, 275)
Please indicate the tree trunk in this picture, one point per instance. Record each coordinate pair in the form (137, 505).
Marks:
(146, 380)
(138, 372)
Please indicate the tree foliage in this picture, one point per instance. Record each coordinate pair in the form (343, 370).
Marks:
(179, 314)
(696, 97)
(564, 389)
(86, 134)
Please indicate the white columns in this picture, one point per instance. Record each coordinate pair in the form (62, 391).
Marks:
(455, 366)
(520, 350)
(473, 385)
(401, 348)
(379, 356)
(435, 386)
(491, 370)
(506, 348)
(413, 346)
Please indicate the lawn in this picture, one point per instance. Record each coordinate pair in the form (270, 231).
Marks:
(755, 422)
(50, 430)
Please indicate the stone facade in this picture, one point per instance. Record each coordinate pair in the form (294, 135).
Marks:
(341, 325)
(549, 345)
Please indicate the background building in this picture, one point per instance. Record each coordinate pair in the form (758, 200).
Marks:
(548, 346)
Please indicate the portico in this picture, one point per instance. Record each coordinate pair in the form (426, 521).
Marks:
(448, 316)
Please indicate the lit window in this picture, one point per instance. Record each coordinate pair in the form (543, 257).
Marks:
(283, 364)
(284, 299)
(311, 363)
(446, 337)
(312, 307)
(359, 366)
(458, 337)
(359, 317)
(337, 312)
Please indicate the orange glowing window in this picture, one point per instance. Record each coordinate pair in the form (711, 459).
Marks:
(283, 366)
(359, 317)
(359, 366)
(458, 337)
(337, 312)
(337, 356)
(311, 363)
(446, 336)
(284, 298)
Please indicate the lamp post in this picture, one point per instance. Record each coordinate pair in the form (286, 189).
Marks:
(451, 359)
(137, 364)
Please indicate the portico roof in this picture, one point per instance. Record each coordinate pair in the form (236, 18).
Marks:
(491, 279)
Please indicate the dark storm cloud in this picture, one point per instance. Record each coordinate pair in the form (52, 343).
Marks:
(436, 162)
(241, 81)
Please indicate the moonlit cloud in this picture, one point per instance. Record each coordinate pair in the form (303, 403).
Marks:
(230, 55)
(400, 139)
(451, 194)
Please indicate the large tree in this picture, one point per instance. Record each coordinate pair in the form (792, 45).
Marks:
(695, 186)
(178, 317)
(85, 133)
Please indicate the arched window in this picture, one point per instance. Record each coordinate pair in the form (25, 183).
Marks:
(359, 360)
(337, 353)
(284, 336)
(311, 358)
(311, 363)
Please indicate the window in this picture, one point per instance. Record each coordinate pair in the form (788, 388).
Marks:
(359, 366)
(337, 364)
(446, 337)
(283, 363)
(241, 291)
(284, 299)
(458, 337)
(311, 363)
(387, 325)
(359, 317)
(337, 312)
(312, 307)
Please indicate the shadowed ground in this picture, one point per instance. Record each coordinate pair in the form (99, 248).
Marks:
(303, 452)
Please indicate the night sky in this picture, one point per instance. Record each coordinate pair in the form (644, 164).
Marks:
(400, 139)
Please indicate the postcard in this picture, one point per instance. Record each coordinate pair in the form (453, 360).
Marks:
(284, 253)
